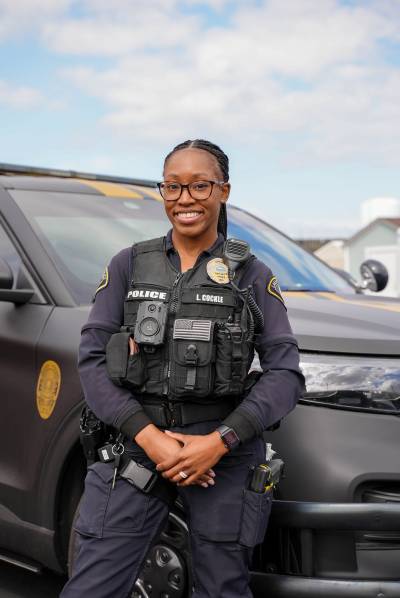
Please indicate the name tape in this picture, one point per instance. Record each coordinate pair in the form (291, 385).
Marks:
(205, 298)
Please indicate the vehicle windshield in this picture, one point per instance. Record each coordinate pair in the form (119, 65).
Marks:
(295, 269)
(81, 232)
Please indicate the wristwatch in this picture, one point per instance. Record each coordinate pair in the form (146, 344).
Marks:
(228, 437)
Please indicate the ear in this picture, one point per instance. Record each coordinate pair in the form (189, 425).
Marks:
(226, 189)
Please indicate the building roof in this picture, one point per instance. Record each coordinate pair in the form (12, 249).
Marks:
(311, 244)
(393, 223)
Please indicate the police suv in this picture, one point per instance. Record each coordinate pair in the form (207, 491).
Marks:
(335, 525)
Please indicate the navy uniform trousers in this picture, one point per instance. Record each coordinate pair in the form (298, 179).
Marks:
(116, 527)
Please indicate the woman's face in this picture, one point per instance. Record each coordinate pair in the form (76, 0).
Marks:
(191, 217)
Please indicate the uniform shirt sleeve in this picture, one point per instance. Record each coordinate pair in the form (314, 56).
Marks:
(277, 391)
(114, 405)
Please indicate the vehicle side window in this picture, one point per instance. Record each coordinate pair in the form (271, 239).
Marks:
(10, 254)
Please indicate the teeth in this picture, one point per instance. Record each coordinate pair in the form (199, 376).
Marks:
(188, 214)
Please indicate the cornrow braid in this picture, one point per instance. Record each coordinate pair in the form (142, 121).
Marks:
(223, 163)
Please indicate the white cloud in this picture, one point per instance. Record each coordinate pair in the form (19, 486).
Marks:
(120, 29)
(279, 68)
(20, 16)
(19, 97)
(307, 78)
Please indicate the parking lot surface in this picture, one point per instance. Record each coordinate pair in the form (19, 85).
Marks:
(18, 583)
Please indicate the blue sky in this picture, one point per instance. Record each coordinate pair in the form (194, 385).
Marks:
(303, 95)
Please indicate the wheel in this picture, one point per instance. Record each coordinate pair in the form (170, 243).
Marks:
(166, 571)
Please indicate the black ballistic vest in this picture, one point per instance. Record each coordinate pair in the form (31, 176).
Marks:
(207, 347)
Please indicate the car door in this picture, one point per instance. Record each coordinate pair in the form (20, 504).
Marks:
(20, 328)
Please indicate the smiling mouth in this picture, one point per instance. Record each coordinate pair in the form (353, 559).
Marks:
(188, 216)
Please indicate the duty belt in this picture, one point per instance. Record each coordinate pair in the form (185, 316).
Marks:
(170, 413)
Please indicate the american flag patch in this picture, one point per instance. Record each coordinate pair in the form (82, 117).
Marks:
(199, 330)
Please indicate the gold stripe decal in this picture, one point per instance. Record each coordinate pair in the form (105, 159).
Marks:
(150, 192)
(302, 294)
(338, 298)
(112, 189)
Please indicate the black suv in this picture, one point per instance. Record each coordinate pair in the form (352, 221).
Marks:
(335, 526)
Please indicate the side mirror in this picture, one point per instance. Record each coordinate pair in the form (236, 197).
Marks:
(7, 293)
(375, 275)
(6, 275)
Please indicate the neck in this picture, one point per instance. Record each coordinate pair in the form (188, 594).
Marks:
(191, 247)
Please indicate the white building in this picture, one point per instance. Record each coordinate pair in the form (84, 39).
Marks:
(332, 253)
(380, 240)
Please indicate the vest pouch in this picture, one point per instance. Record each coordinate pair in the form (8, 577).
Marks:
(125, 369)
(192, 358)
(231, 363)
(136, 372)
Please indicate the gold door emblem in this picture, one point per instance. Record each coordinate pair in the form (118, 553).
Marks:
(48, 387)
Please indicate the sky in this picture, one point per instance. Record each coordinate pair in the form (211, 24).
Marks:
(303, 96)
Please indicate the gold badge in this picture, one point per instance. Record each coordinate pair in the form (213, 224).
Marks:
(48, 387)
(218, 271)
(273, 289)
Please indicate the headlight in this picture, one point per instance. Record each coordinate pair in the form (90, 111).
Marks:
(355, 383)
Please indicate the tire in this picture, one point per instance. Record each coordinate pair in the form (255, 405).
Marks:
(166, 570)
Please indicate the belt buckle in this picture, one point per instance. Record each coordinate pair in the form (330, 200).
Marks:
(169, 414)
(173, 416)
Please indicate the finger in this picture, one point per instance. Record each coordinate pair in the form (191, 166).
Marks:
(192, 479)
(181, 437)
(202, 484)
(168, 463)
(172, 473)
(177, 478)
(180, 464)
(133, 346)
(206, 480)
(211, 473)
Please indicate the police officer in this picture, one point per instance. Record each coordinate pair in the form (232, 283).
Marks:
(205, 435)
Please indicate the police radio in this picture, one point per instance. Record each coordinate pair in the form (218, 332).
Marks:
(151, 323)
(236, 252)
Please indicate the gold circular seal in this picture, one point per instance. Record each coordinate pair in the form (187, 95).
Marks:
(218, 271)
(48, 387)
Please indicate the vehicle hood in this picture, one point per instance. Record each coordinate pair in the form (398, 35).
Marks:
(358, 324)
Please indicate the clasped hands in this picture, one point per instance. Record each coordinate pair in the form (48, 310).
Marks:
(175, 454)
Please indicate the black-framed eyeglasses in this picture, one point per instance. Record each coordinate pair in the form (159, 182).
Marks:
(201, 190)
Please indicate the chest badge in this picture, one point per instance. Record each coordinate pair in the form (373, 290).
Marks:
(218, 271)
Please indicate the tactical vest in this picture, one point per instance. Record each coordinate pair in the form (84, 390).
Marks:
(206, 349)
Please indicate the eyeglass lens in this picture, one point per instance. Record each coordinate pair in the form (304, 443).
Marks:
(198, 190)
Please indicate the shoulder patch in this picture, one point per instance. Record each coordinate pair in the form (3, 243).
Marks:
(273, 289)
(103, 282)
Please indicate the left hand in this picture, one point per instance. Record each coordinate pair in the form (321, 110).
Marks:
(197, 456)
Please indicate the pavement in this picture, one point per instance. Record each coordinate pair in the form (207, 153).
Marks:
(18, 583)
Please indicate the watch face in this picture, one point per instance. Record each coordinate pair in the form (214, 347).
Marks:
(231, 439)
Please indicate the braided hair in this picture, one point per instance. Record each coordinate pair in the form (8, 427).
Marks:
(223, 163)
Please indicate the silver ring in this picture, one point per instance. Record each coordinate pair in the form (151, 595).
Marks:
(183, 475)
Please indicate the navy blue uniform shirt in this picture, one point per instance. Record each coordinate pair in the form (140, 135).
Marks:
(273, 396)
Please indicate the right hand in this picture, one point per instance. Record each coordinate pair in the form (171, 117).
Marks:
(161, 447)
